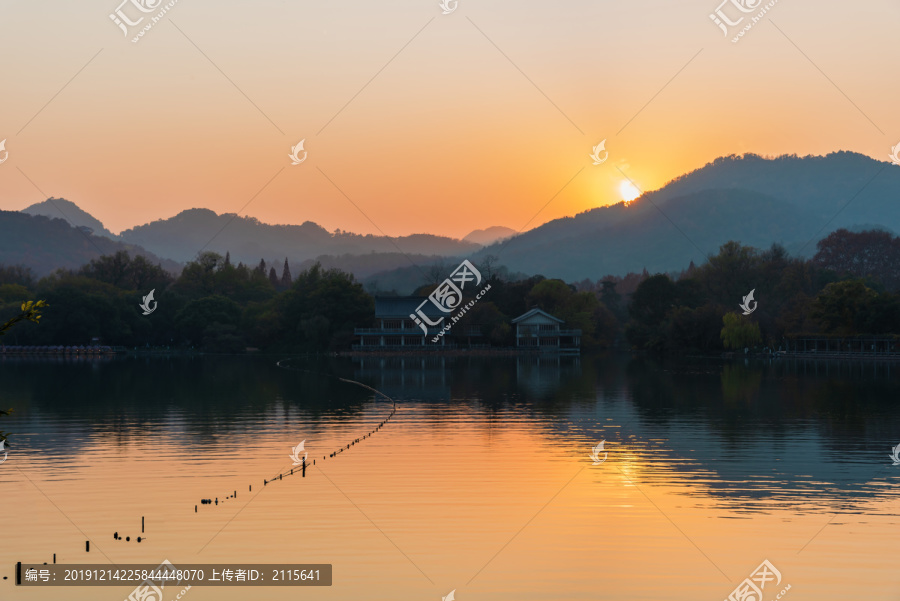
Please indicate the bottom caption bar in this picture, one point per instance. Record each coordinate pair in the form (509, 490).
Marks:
(165, 574)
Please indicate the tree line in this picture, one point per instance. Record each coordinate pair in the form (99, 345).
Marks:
(851, 287)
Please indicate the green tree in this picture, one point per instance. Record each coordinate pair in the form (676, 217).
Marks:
(29, 311)
(842, 307)
(202, 320)
(731, 274)
(650, 304)
(126, 273)
(739, 332)
(321, 309)
(696, 329)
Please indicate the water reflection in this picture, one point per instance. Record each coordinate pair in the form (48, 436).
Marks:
(750, 436)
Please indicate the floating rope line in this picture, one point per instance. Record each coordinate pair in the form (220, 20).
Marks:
(301, 469)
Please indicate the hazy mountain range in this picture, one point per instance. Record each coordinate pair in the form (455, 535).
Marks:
(46, 244)
(789, 200)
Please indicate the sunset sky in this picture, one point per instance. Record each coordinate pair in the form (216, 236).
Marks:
(481, 118)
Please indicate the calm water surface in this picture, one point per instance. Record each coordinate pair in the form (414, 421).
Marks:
(482, 481)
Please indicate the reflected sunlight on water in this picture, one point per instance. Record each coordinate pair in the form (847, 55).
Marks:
(482, 482)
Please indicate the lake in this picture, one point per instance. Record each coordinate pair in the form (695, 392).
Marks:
(485, 482)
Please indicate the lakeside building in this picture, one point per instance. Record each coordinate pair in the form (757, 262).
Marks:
(538, 330)
(396, 330)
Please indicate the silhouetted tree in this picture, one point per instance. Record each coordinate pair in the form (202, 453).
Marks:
(842, 307)
(286, 279)
(872, 254)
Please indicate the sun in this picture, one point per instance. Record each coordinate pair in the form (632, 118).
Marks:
(628, 191)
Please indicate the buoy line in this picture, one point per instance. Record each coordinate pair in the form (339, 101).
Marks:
(302, 468)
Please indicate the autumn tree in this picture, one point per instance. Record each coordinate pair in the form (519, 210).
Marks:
(872, 254)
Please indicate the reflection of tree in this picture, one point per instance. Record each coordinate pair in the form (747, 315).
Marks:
(740, 384)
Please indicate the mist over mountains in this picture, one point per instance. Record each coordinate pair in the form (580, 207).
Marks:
(789, 200)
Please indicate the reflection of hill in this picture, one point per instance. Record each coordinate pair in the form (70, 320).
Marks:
(199, 398)
(769, 433)
(792, 433)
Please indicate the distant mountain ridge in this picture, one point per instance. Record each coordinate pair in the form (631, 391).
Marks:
(46, 244)
(60, 208)
(790, 200)
(489, 235)
(793, 201)
(248, 239)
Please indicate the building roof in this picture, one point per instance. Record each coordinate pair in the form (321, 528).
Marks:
(534, 312)
(400, 307)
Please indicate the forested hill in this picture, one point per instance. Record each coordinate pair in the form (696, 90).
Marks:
(46, 244)
(790, 200)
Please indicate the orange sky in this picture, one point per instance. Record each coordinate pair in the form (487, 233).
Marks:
(479, 120)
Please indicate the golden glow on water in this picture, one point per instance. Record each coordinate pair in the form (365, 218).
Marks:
(499, 508)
